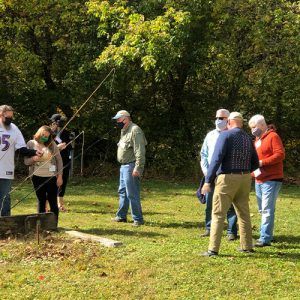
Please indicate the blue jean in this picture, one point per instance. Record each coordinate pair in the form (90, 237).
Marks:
(231, 215)
(5, 187)
(266, 195)
(129, 193)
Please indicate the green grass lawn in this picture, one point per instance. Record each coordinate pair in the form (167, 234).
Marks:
(160, 260)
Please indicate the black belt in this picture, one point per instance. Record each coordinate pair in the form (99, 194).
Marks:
(128, 163)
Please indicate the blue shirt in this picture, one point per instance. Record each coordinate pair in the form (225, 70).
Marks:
(207, 149)
(234, 152)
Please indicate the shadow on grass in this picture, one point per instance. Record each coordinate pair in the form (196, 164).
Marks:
(259, 255)
(105, 232)
(285, 242)
(179, 225)
(290, 242)
(152, 213)
(277, 255)
(92, 211)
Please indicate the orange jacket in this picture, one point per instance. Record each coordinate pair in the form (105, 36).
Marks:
(271, 152)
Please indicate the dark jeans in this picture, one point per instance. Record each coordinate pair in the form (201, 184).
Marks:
(46, 189)
(66, 172)
(231, 215)
(5, 186)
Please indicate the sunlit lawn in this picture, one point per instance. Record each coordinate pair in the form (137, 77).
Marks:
(157, 261)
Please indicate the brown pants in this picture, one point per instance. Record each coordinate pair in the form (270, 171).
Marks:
(231, 189)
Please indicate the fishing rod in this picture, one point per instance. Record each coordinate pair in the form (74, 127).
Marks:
(113, 70)
(22, 182)
(88, 98)
(40, 186)
(77, 111)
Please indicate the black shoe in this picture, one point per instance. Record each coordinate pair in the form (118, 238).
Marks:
(206, 233)
(231, 237)
(138, 223)
(261, 244)
(209, 253)
(246, 251)
(118, 219)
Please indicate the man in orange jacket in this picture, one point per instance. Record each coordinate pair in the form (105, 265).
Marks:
(269, 176)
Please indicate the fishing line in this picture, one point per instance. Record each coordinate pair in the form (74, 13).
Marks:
(82, 149)
(74, 115)
(113, 70)
(40, 166)
(87, 100)
(35, 190)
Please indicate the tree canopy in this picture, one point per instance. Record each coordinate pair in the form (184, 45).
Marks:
(175, 63)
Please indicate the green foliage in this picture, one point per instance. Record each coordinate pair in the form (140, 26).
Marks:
(175, 62)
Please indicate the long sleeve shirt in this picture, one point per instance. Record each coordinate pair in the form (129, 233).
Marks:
(43, 167)
(132, 147)
(234, 152)
(271, 152)
(207, 149)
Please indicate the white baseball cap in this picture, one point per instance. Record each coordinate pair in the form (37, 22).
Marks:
(121, 113)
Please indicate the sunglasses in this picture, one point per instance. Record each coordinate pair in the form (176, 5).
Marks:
(220, 118)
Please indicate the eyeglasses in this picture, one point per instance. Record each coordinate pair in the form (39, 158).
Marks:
(220, 118)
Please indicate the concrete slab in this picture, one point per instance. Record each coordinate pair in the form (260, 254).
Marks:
(95, 238)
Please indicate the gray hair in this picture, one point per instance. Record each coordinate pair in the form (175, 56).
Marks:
(223, 111)
(257, 119)
(4, 108)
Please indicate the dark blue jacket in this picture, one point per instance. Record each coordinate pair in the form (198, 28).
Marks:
(234, 152)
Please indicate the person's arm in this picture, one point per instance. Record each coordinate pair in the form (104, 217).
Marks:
(254, 160)
(204, 156)
(58, 159)
(58, 162)
(139, 148)
(20, 145)
(27, 152)
(29, 160)
(217, 157)
(278, 152)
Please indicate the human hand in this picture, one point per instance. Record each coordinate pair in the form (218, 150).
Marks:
(135, 173)
(206, 188)
(62, 146)
(59, 181)
(39, 153)
(36, 158)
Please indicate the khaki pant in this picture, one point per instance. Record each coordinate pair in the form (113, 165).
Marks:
(231, 189)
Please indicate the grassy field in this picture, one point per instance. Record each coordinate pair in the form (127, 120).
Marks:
(160, 260)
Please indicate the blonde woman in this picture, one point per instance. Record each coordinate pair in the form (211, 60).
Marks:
(46, 171)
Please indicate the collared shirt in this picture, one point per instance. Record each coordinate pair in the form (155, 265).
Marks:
(234, 152)
(207, 149)
(131, 147)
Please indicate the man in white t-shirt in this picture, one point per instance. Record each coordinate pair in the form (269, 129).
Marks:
(11, 139)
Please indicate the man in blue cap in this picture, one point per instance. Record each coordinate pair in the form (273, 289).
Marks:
(131, 156)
